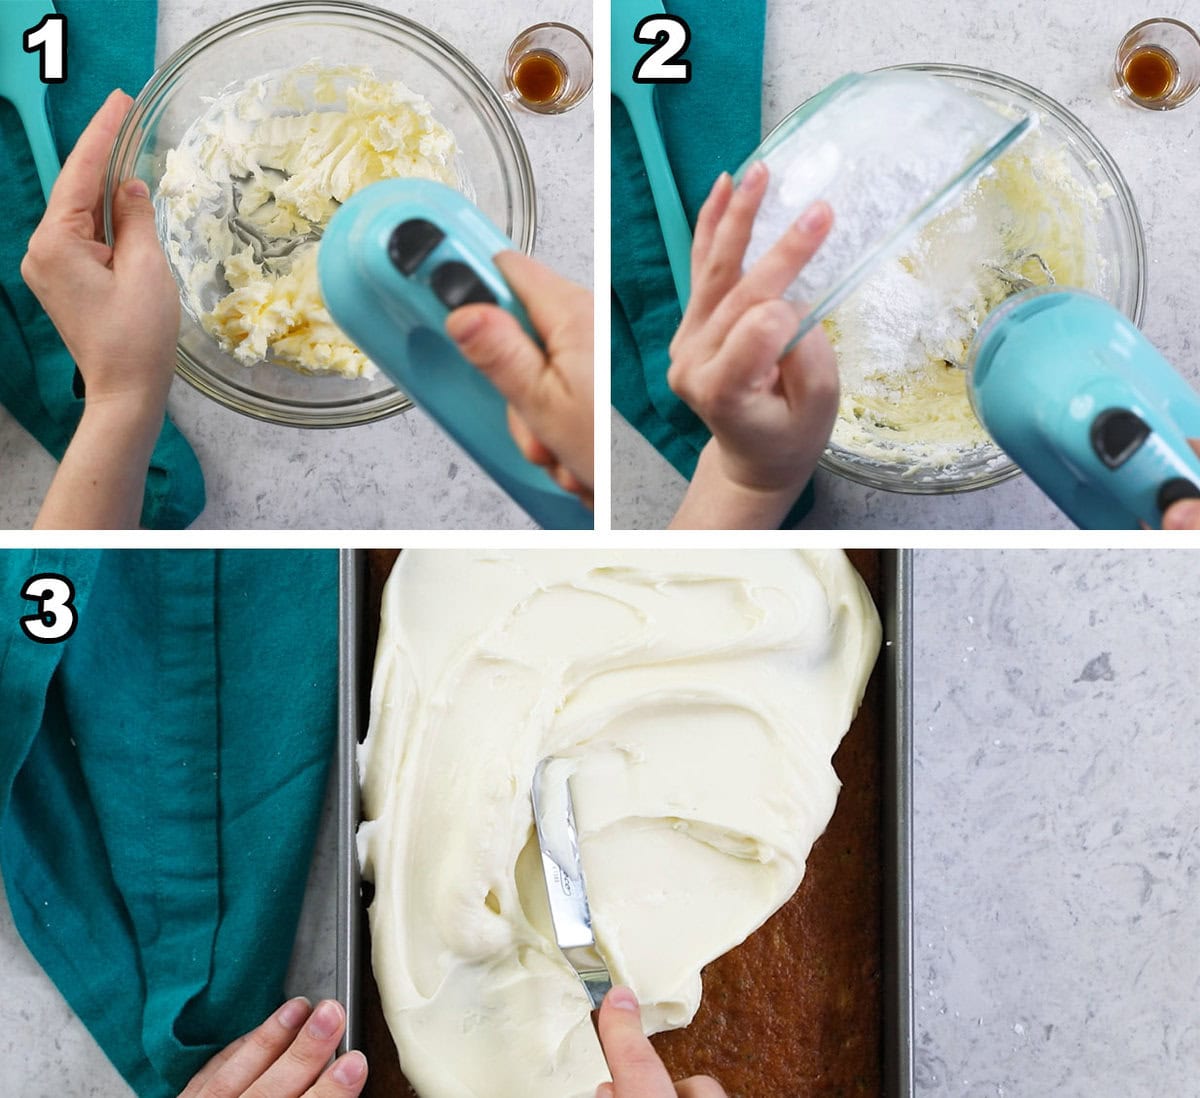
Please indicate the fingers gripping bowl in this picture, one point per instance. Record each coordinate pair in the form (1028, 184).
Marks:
(1059, 192)
(491, 165)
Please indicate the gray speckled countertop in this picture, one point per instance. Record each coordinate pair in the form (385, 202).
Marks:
(1057, 860)
(1057, 822)
(402, 473)
(1065, 49)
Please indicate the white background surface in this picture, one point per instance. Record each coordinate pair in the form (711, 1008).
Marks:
(1057, 859)
(403, 473)
(1064, 47)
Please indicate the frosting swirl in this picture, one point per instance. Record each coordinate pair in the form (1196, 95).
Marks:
(700, 696)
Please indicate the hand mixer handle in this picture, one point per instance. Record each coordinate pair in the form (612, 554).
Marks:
(394, 261)
(1087, 406)
(1139, 450)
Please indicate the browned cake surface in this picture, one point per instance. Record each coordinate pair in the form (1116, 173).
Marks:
(795, 1011)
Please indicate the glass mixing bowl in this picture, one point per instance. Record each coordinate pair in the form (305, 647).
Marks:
(1120, 240)
(492, 158)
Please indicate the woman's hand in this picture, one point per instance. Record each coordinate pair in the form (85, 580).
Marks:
(285, 1057)
(550, 393)
(770, 413)
(117, 310)
(1184, 515)
(636, 1069)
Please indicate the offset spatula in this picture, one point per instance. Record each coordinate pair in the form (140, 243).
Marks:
(554, 818)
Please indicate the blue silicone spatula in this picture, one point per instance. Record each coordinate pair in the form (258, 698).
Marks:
(21, 86)
(639, 103)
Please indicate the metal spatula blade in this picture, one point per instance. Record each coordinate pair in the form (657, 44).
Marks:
(566, 890)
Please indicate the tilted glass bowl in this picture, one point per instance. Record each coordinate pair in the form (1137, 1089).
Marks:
(855, 146)
(491, 154)
(1120, 239)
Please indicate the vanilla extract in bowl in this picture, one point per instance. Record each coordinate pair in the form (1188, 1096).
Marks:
(539, 77)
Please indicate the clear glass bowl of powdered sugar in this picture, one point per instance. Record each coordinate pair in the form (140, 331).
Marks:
(952, 188)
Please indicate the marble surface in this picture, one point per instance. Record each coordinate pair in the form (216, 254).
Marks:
(1057, 854)
(1065, 49)
(1057, 851)
(403, 473)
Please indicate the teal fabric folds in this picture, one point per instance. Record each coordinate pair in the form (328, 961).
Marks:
(161, 778)
(110, 45)
(709, 125)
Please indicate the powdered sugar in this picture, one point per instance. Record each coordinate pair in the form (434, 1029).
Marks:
(878, 151)
(927, 303)
(902, 334)
(934, 260)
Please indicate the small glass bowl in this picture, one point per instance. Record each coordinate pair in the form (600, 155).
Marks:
(559, 48)
(281, 36)
(1177, 45)
(1120, 239)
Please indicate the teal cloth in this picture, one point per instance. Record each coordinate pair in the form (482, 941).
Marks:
(709, 125)
(109, 45)
(161, 778)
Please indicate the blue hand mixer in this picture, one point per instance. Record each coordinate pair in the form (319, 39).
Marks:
(1080, 399)
(394, 261)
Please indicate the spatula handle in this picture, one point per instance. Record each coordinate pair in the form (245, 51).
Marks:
(677, 233)
(41, 141)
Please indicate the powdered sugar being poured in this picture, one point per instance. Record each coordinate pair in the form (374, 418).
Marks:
(877, 151)
(901, 336)
(883, 153)
(927, 303)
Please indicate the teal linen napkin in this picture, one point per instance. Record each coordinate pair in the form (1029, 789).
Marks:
(709, 125)
(109, 45)
(161, 778)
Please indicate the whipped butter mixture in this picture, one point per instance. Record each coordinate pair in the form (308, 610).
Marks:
(903, 336)
(246, 194)
(698, 696)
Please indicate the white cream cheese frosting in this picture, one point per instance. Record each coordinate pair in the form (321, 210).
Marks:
(245, 194)
(699, 696)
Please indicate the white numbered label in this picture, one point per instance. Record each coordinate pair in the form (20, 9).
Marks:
(663, 64)
(56, 618)
(49, 40)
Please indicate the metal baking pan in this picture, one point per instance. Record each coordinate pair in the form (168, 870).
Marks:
(898, 1035)
(896, 613)
(353, 679)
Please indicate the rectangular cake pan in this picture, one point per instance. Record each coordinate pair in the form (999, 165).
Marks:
(895, 610)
